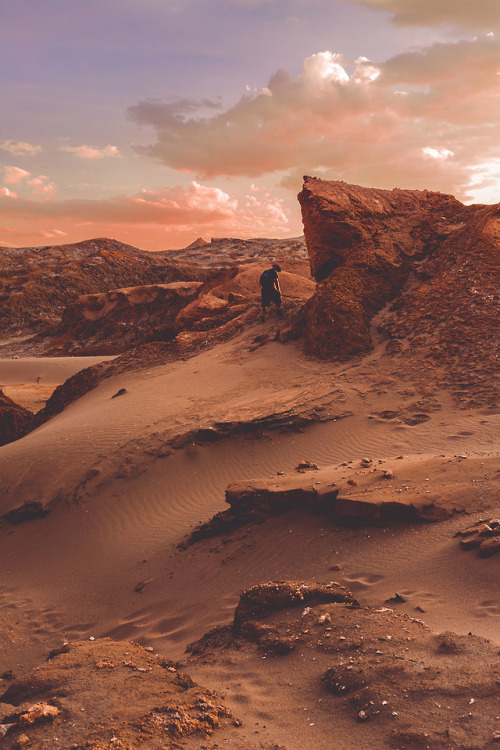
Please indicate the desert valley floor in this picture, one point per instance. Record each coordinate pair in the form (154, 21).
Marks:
(106, 560)
(223, 532)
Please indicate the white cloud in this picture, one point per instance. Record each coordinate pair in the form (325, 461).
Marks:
(91, 152)
(7, 193)
(437, 153)
(369, 123)
(14, 175)
(19, 148)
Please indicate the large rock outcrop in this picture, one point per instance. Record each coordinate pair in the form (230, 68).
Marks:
(363, 245)
(115, 321)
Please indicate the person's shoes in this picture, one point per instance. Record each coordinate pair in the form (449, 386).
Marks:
(280, 313)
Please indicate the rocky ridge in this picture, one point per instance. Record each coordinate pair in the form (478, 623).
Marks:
(37, 283)
(359, 493)
(432, 258)
(226, 251)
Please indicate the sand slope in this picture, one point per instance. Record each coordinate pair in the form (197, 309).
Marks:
(126, 479)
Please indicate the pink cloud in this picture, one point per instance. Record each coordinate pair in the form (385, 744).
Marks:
(19, 148)
(156, 219)
(14, 175)
(8, 193)
(91, 152)
(41, 186)
(368, 123)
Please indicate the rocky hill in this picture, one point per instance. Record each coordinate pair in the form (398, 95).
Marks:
(226, 251)
(37, 283)
(432, 258)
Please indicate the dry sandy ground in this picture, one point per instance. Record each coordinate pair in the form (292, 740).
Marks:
(30, 381)
(105, 560)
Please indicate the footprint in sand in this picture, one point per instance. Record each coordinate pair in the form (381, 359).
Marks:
(488, 608)
(363, 580)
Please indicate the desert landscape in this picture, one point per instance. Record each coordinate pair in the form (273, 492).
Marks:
(222, 532)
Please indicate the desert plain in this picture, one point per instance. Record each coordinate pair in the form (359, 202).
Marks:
(218, 531)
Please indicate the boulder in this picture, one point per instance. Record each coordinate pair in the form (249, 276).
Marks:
(15, 421)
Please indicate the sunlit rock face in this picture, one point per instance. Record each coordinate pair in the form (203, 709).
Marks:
(362, 243)
(435, 260)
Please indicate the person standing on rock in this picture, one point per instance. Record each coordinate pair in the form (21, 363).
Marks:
(270, 289)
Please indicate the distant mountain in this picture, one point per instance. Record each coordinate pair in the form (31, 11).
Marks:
(226, 251)
(37, 283)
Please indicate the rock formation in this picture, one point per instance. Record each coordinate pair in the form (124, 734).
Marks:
(427, 252)
(115, 321)
(37, 283)
(361, 493)
(104, 694)
(14, 420)
(394, 682)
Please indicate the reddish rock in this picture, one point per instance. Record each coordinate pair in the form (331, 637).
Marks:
(37, 283)
(259, 600)
(96, 690)
(115, 321)
(15, 421)
(360, 243)
(363, 245)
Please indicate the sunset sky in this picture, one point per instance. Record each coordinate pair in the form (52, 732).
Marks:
(155, 122)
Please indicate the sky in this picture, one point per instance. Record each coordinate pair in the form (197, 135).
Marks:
(155, 122)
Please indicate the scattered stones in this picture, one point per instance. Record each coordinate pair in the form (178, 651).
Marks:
(305, 464)
(396, 599)
(483, 535)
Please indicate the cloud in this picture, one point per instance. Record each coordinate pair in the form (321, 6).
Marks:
(479, 15)
(91, 152)
(14, 175)
(151, 218)
(7, 193)
(364, 122)
(41, 186)
(19, 148)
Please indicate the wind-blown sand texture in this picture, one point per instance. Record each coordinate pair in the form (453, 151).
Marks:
(99, 504)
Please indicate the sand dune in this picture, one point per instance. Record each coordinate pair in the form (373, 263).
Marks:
(122, 499)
